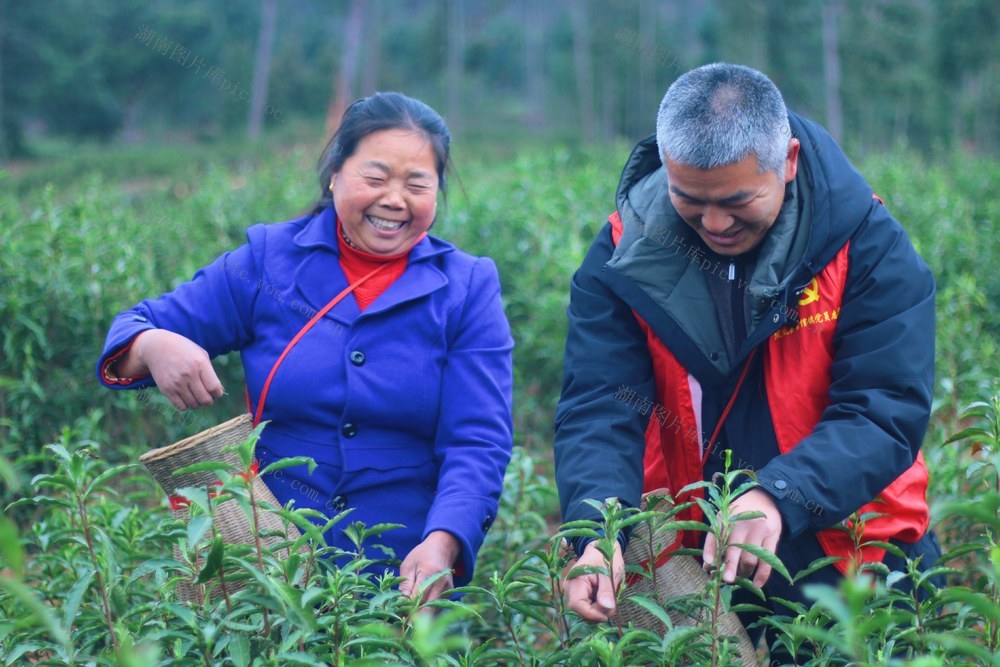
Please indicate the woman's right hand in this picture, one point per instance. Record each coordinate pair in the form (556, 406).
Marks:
(180, 367)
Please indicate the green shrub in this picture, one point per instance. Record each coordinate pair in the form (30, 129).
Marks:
(85, 577)
(90, 582)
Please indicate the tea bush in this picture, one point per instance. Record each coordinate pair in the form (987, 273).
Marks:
(89, 582)
(85, 537)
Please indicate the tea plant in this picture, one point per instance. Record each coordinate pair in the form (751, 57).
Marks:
(90, 583)
(87, 574)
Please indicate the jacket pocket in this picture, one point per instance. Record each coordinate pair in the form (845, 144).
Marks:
(388, 456)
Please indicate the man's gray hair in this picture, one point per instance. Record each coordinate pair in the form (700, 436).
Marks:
(720, 114)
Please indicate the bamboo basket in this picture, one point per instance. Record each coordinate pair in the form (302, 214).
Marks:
(228, 517)
(680, 576)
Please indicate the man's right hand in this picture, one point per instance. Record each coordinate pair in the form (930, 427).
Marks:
(592, 596)
(180, 367)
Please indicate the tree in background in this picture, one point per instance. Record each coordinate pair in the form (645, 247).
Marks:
(343, 88)
(262, 68)
(831, 66)
(966, 71)
(919, 73)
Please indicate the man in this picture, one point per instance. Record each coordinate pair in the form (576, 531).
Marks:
(749, 294)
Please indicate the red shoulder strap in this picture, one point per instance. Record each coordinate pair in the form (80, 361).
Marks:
(302, 332)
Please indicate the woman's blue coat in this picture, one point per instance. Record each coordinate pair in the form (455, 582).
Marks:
(405, 407)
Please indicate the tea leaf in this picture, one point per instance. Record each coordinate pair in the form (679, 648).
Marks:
(99, 481)
(205, 466)
(766, 556)
(213, 562)
(289, 462)
(196, 529)
(75, 596)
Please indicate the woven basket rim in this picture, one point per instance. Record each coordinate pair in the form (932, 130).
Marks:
(235, 423)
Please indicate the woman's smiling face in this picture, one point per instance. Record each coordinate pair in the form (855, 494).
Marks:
(386, 192)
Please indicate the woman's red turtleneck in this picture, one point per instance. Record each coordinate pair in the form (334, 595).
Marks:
(356, 263)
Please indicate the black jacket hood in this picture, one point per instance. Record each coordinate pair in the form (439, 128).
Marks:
(656, 266)
(824, 170)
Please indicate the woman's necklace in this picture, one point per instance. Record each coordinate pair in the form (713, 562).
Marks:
(343, 233)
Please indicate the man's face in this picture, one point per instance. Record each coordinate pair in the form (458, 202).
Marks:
(730, 207)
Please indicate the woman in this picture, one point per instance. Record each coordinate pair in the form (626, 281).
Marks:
(401, 392)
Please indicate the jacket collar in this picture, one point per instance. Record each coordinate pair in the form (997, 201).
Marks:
(831, 200)
(660, 255)
(320, 231)
(319, 276)
(835, 197)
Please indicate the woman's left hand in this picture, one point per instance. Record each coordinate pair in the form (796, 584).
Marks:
(436, 553)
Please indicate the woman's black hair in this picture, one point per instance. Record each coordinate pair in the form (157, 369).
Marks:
(381, 111)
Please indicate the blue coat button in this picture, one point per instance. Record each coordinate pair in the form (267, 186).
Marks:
(338, 503)
(780, 484)
(357, 357)
(349, 430)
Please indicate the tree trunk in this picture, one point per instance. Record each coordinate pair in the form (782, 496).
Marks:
(984, 120)
(343, 90)
(130, 117)
(373, 54)
(609, 109)
(534, 70)
(261, 68)
(584, 68)
(831, 66)
(3, 125)
(456, 63)
(643, 118)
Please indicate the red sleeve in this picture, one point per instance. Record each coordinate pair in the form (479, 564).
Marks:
(106, 373)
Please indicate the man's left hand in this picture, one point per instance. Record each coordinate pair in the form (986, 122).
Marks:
(438, 552)
(764, 532)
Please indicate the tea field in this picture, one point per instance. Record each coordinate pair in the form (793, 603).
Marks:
(86, 571)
